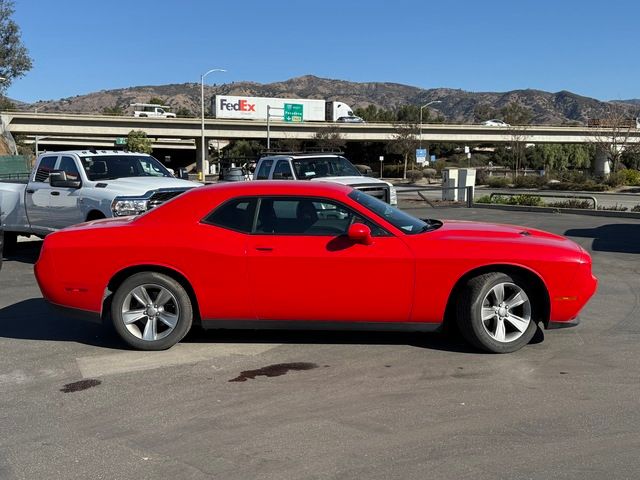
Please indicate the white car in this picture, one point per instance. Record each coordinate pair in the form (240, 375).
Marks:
(350, 119)
(495, 123)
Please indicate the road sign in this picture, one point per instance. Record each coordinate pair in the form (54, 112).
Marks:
(293, 112)
(421, 155)
(121, 140)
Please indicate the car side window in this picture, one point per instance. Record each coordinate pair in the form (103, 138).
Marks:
(282, 170)
(308, 216)
(68, 165)
(263, 171)
(236, 214)
(45, 167)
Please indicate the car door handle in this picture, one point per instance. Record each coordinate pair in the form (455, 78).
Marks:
(31, 191)
(264, 249)
(55, 193)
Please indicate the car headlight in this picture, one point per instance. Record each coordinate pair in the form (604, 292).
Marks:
(123, 207)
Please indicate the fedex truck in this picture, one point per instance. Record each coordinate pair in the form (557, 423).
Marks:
(255, 108)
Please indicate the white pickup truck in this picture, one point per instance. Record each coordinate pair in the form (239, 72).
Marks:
(71, 187)
(324, 167)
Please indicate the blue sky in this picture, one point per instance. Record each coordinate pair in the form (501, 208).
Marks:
(78, 47)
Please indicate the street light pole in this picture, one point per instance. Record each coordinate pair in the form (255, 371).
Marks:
(202, 145)
(424, 106)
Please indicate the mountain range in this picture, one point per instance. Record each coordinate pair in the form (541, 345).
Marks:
(459, 106)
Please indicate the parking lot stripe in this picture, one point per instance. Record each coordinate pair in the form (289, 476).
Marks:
(117, 363)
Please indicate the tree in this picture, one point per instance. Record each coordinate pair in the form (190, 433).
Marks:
(156, 101)
(405, 142)
(137, 141)
(14, 57)
(611, 138)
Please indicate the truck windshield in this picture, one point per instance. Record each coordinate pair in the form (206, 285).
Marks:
(402, 221)
(316, 167)
(109, 167)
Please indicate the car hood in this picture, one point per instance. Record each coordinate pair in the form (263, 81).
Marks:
(452, 230)
(350, 180)
(137, 186)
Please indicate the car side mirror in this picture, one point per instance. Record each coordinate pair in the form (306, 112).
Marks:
(360, 233)
(58, 179)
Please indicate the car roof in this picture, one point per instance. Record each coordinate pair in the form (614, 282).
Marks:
(94, 153)
(276, 187)
(302, 155)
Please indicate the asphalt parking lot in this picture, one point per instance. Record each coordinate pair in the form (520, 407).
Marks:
(76, 404)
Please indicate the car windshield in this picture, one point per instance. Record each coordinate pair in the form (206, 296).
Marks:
(403, 221)
(109, 167)
(316, 167)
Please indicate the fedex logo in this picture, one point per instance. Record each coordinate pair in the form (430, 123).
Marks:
(240, 105)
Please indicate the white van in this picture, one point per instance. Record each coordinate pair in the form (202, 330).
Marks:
(151, 110)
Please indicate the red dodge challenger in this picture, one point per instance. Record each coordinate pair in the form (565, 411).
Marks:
(312, 255)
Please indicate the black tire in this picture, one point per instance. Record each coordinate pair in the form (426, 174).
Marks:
(10, 243)
(178, 306)
(95, 215)
(469, 313)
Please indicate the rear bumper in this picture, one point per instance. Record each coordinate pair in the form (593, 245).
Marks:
(574, 322)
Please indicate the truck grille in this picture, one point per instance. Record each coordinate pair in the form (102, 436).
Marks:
(160, 196)
(381, 192)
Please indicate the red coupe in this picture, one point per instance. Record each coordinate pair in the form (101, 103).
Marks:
(299, 255)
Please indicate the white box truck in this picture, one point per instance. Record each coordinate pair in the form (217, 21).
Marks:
(255, 108)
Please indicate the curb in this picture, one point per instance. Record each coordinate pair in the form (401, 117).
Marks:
(573, 211)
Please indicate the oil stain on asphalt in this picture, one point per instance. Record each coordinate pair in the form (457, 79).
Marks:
(273, 370)
(81, 385)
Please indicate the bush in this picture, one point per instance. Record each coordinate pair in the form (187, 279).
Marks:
(414, 175)
(616, 179)
(630, 177)
(588, 186)
(615, 208)
(497, 182)
(524, 199)
(529, 182)
(392, 171)
(571, 203)
(429, 173)
(636, 208)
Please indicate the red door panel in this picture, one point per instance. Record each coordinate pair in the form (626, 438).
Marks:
(322, 278)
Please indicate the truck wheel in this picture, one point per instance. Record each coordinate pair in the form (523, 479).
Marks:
(95, 215)
(10, 242)
(151, 311)
(496, 313)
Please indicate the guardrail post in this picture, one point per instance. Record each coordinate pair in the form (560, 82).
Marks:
(469, 196)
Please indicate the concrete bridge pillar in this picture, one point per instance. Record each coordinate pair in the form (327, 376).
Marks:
(602, 167)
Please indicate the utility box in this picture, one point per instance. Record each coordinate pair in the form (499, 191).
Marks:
(466, 178)
(450, 181)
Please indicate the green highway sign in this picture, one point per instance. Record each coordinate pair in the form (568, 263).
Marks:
(293, 112)
(121, 140)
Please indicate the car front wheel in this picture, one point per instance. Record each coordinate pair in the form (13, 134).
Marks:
(496, 313)
(151, 311)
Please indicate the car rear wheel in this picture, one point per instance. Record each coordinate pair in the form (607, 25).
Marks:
(151, 311)
(496, 313)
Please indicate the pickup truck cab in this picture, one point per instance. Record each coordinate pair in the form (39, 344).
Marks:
(66, 188)
(324, 167)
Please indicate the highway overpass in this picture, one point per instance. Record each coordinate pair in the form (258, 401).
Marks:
(181, 133)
